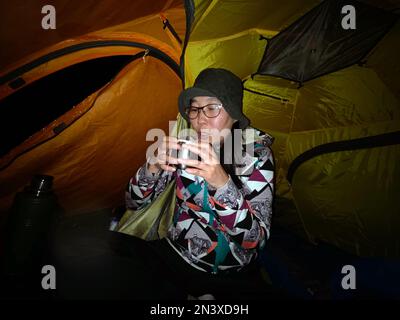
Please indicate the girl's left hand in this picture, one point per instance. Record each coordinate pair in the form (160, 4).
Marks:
(209, 167)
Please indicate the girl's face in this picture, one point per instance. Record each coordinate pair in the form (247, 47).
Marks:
(214, 129)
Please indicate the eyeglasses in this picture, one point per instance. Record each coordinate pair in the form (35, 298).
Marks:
(210, 111)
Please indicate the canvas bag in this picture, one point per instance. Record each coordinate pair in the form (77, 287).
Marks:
(153, 221)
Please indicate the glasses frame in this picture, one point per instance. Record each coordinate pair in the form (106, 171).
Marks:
(202, 109)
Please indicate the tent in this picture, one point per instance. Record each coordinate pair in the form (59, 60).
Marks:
(95, 126)
(330, 97)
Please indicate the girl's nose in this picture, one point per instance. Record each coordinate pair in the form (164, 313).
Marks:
(201, 117)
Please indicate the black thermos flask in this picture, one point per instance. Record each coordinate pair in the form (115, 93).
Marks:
(32, 214)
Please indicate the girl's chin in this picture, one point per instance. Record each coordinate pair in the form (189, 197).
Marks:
(203, 137)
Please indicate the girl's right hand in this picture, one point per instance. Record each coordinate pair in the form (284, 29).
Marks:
(164, 158)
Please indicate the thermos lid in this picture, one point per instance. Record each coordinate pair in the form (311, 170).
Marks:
(41, 183)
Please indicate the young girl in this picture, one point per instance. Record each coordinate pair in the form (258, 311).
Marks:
(223, 196)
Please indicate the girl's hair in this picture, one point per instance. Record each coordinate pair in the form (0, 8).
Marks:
(230, 166)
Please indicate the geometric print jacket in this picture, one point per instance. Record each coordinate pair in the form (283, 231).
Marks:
(216, 230)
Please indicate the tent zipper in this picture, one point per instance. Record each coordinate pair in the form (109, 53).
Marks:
(266, 95)
(382, 140)
(62, 126)
(156, 53)
(167, 24)
(189, 10)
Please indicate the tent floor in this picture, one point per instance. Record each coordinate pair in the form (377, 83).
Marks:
(299, 268)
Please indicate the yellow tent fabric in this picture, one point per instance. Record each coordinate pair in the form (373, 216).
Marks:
(347, 198)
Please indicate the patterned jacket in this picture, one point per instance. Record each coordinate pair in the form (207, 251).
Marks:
(216, 229)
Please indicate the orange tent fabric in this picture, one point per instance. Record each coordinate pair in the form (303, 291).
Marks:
(103, 140)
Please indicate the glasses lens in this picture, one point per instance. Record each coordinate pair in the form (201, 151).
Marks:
(212, 110)
(192, 112)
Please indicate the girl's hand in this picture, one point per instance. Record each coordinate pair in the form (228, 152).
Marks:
(209, 167)
(163, 159)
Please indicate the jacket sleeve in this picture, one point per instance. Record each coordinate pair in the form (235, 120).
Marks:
(245, 213)
(145, 186)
